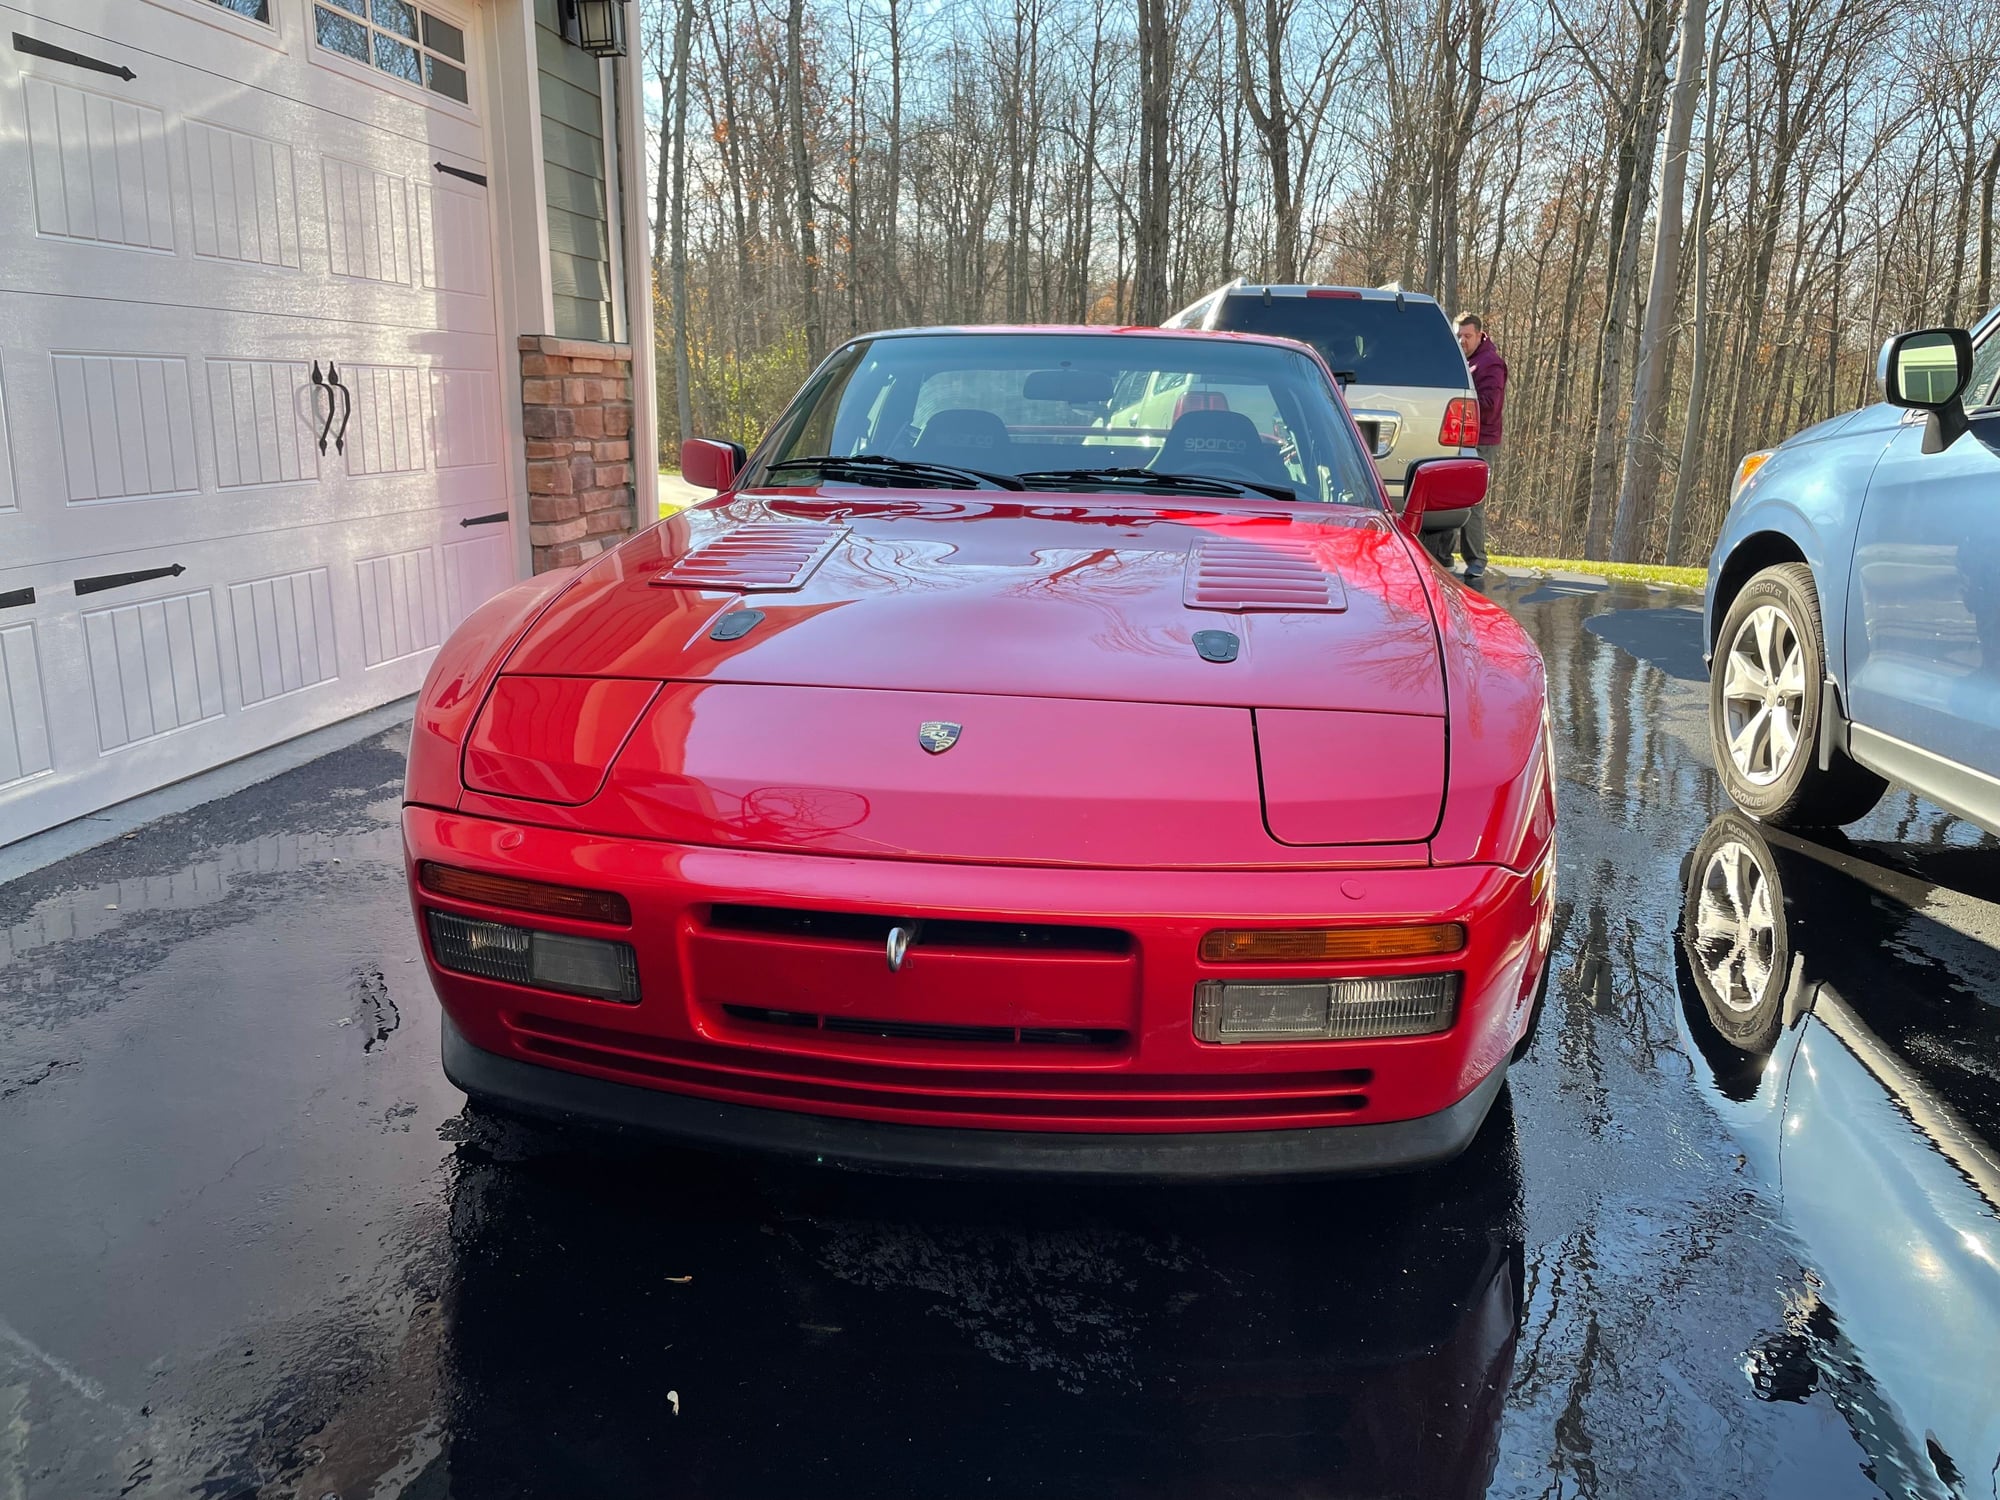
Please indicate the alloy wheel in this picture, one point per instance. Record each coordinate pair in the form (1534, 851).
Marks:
(1764, 694)
(1735, 936)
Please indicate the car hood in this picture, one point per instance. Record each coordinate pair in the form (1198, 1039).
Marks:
(1080, 597)
(1863, 420)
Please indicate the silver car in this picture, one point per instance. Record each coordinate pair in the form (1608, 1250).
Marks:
(1393, 351)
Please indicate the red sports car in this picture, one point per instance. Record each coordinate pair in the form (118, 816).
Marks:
(1047, 753)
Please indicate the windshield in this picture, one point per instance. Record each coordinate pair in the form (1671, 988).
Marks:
(1370, 338)
(1074, 412)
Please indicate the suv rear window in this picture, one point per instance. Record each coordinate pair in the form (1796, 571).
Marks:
(1379, 343)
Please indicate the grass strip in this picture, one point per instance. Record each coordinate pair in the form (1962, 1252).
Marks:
(1687, 578)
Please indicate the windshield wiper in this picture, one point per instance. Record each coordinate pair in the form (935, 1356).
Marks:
(879, 468)
(1202, 484)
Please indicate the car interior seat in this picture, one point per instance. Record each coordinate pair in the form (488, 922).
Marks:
(1208, 442)
(966, 437)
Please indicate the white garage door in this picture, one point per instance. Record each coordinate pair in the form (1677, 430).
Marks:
(251, 456)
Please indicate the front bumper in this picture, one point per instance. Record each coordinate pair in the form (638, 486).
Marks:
(1140, 1083)
(934, 1151)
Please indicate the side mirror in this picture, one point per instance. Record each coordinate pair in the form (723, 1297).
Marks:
(710, 465)
(1928, 371)
(1442, 484)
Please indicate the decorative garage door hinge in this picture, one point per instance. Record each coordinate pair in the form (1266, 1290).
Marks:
(15, 598)
(477, 177)
(35, 47)
(105, 581)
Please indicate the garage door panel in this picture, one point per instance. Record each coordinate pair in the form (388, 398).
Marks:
(24, 726)
(400, 607)
(99, 165)
(225, 439)
(168, 194)
(242, 196)
(127, 425)
(265, 415)
(190, 245)
(383, 420)
(155, 666)
(279, 64)
(285, 635)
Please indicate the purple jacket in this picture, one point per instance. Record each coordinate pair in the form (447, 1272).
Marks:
(1489, 379)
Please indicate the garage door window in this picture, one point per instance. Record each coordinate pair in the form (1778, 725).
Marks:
(397, 38)
(250, 10)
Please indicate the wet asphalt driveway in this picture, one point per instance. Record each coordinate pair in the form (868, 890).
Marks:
(251, 1245)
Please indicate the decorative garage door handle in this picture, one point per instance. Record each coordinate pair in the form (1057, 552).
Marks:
(346, 406)
(319, 383)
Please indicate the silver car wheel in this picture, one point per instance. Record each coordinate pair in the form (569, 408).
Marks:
(1764, 694)
(1735, 929)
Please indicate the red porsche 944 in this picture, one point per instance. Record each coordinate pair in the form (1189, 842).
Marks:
(1046, 753)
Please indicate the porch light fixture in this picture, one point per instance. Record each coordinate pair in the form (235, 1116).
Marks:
(600, 26)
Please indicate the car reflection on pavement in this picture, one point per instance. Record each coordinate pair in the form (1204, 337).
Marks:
(767, 1333)
(1849, 1014)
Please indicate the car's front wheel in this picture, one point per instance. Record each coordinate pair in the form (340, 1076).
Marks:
(1764, 709)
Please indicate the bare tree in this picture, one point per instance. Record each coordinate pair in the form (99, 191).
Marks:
(1662, 290)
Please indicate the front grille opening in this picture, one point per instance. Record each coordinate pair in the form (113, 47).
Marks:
(931, 1031)
(867, 928)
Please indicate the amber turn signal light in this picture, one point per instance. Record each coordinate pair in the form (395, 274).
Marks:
(1313, 944)
(524, 895)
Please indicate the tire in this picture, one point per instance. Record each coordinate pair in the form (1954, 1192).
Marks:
(1764, 709)
(1735, 931)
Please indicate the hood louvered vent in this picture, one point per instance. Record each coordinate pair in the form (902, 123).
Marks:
(1279, 574)
(761, 558)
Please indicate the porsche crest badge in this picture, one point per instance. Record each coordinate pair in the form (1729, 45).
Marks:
(938, 736)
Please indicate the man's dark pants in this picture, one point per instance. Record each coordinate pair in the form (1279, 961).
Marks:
(1472, 536)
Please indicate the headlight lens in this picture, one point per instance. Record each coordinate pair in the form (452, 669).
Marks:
(1752, 462)
(1328, 1010)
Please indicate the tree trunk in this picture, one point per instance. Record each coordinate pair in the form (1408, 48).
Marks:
(1983, 295)
(795, 98)
(1636, 181)
(1662, 295)
(677, 233)
(894, 295)
(1150, 247)
(1685, 477)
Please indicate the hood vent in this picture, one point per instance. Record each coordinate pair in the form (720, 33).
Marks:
(1279, 574)
(761, 558)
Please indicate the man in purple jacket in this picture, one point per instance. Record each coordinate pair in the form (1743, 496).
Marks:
(1489, 382)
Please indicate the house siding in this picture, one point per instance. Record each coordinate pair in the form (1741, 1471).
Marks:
(572, 107)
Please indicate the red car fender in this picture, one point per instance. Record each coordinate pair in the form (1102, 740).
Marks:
(459, 679)
(1500, 802)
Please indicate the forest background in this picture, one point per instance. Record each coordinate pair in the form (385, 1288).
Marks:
(1688, 226)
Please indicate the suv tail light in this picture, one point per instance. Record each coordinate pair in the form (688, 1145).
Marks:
(1461, 424)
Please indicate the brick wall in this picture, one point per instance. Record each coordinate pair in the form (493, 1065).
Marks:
(576, 400)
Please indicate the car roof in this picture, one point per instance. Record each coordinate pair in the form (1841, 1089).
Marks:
(1303, 288)
(1094, 330)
